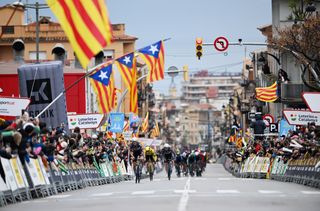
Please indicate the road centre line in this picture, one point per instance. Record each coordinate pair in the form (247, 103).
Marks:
(185, 197)
(58, 196)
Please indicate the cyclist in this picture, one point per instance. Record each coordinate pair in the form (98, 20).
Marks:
(185, 156)
(178, 162)
(192, 162)
(168, 157)
(136, 157)
(150, 159)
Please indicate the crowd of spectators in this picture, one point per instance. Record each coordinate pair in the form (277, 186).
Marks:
(28, 138)
(303, 143)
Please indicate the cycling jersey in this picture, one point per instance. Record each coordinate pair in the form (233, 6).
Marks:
(150, 155)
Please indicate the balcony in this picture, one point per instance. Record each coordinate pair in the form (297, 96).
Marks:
(291, 92)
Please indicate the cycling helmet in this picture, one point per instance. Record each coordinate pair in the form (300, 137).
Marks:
(166, 145)
(178, 152)
(94, 136)
(148, 148)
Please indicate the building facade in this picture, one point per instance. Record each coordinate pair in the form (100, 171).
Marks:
(18, 46)
(205, 87)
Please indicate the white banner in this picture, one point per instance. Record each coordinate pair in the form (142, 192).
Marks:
(295, 117)
(10, 106)
(10, 179)
(85, 121)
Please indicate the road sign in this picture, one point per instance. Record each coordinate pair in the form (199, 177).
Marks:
(295, 117)
(312, 99)
(273, 128)
(221, 44)
(268, 118)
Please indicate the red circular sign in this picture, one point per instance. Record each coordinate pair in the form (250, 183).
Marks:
(221, 44)
(268, 118)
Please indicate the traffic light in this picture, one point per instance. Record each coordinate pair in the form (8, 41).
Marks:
(199, 47)
(185, 73)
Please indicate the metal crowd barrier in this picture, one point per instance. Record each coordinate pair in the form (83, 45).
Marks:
(33, 180)
(297, 171)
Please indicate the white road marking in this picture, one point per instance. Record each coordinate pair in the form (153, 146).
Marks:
(228, 191)
(156, 180)
(200, 178)
(177, 179)
(310, 192)
(143, 192)
(225, 178)
(182, 191)
(58, 196)
(269, 191)
(185, 197)
(102, 194)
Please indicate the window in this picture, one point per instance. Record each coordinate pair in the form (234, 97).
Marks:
(108, 54)
(8, 29)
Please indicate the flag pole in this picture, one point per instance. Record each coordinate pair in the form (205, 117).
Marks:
(69, 87)
(77, 81)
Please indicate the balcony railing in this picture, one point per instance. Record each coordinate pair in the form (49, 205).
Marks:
(291, 92)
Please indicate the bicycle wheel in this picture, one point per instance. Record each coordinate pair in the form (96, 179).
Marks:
(139, 174)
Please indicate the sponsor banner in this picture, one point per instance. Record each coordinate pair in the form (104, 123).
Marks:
(11, 106)
(295, 117)
(85, 121)
(117, 122)
(42, 83)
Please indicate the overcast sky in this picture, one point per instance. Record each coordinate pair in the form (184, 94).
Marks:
(183, 21)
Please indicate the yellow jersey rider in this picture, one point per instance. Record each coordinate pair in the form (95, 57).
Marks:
(150, 154)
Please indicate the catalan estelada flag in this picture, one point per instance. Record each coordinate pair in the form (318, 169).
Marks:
(153, 55)
(86, 24)
(267, 94)
(103, 84)
(155, 131)
(145, 123)
(127, 67)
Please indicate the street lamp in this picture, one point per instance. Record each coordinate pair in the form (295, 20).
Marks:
(35, 6)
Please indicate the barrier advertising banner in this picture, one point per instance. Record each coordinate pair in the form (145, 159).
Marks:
(296, 117)
(11, 106)
(85, 121)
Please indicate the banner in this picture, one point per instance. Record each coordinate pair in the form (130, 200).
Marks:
(85, 121)
(3, 186)
(284, 128)
(17, 173)
(10, 179)
(42, 83)
(117, 122)
(295, 117)
(10, 106)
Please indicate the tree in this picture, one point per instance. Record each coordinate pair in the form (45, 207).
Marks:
(302, 39)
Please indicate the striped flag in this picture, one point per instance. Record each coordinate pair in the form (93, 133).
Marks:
(145, 123)
(153, 55)
(103, 84)
(127, 67)
(267, 94)
(126, 126)
(155, 132)
(86, 24)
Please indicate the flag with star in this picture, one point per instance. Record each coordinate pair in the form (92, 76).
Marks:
(102, 83)
(153, 55)
(127, 67)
